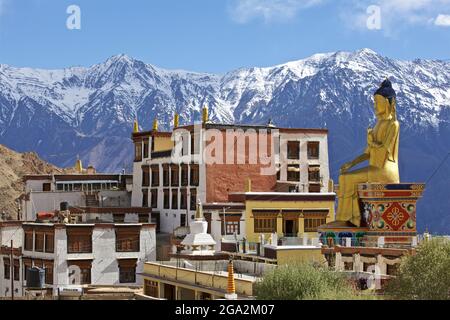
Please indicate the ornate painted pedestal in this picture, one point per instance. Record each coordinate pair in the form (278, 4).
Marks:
(389, 213)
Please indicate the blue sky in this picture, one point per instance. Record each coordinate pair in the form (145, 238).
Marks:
(220, 35)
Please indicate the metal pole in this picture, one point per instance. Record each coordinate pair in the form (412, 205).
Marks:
(12, 271)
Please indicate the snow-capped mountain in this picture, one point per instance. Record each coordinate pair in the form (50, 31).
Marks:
(89, 111)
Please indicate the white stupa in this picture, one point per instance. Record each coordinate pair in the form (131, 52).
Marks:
(198, 242)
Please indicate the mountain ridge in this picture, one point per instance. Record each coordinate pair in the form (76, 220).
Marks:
(89, 111)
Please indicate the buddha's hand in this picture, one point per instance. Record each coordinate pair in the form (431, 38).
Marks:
(345, 167)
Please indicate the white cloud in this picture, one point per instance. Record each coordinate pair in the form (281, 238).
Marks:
(243, 11)
(396, 15)
(442, 20)
(3, 4)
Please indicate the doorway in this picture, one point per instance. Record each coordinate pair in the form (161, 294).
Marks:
(290, 228)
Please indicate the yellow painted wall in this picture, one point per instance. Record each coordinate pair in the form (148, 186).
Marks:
(163, 143)
(187, 276)
(300, 255)
(250, 205)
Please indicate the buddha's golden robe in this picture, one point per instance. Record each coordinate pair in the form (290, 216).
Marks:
(382, 154)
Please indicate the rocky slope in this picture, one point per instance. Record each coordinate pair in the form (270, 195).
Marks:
(13, 166)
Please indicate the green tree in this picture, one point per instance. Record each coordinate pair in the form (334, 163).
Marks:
(424, 275)
(303, 282)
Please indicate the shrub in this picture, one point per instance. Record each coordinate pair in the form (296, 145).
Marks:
(424, 275)
(303, 282)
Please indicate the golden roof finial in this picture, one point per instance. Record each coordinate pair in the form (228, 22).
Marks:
(176, 120)
(135, 126)
(155, 124)
(205, 116)
(199, 211)
(78, 165)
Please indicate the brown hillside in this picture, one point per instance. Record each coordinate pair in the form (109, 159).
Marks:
(13, 166)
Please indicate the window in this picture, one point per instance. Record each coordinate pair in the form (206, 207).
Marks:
(231, 226)
(48, 272)
(7, 268)
(155, 175)
(145, 198)
(182, 219)
(311, 224)
(138, 151)
(348, 266)
(184, 175)
(265, 225)
(29, 240)
(314, 187)
(183, 200)
(174, 198)
(46, 187)
(49, 242)
(85, 271)
(174, 176)
(127, 270)
(16, 270)
(151, 288)
(79, 240)
(145, 148)
(293, 150)
(166, 175)
(127, 239)
(293, 172)
(145, 176)
(39, 242)
(193, 200)
(166, 199)
(154, 198)
(194, 174)
(265, 222)
(314, 173)
(313, 150)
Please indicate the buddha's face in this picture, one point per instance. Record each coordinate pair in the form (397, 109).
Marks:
(381, 106)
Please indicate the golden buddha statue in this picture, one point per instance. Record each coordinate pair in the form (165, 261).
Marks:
(381, 152)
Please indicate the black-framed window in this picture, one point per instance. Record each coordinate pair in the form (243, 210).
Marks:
(138, 151)
(174, 198)
(193, 199)
(194, 174)
(293, 150)
(154, 194)
(313, 149)
(6, 269)
(155, 175)
(166, 198)
(127, 274)
(293, 172)
(145, 198)
(174, 176)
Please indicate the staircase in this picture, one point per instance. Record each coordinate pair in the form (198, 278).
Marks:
(92, 200)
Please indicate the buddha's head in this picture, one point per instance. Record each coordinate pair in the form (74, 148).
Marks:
(385, 100)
